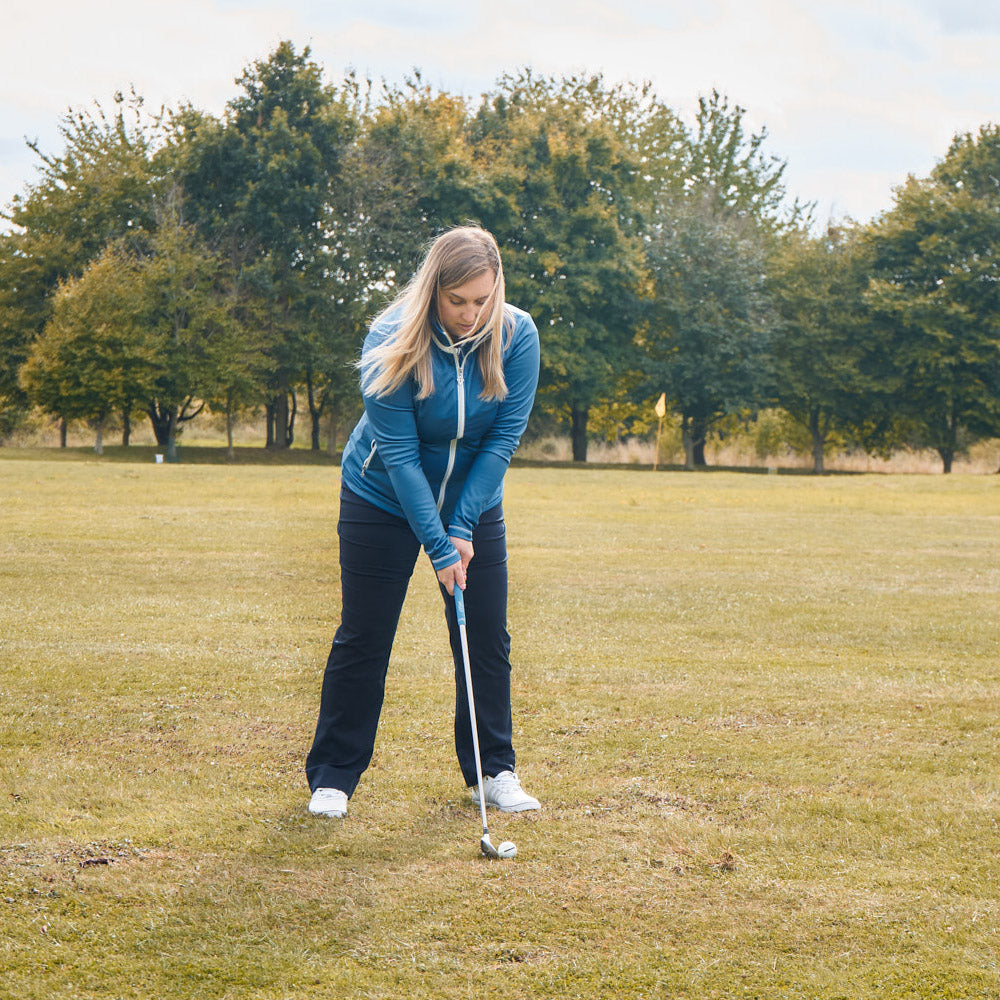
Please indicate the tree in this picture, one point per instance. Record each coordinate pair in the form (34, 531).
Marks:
(567, 222)
(22, 301)
(724, 164)
(235, 359)
(144, 326)
(706, 342)
(180, 295)
(935, 293)
(823, 354)
(96, 191)
(408, 175)
(93, 356)
(257, 186)
(419, 158)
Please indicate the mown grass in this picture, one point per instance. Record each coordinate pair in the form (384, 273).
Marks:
(760, 712)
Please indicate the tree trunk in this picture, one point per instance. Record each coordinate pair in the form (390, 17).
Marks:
(160, 420)
(172, 435)
(688, 441)
(818, 441)
(126, 429)
(578, 432)
(280, 421)
(62, 433)
(284, 419)
(315, 410)
(694, 430)
(269, 410)
(99, 438)
(947, 450)
(230, 450)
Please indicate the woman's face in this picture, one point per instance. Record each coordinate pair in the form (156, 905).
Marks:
(461, 309)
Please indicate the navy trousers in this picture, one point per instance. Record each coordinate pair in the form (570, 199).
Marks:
(377, 554)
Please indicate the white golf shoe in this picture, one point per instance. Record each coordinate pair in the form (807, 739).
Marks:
(330, 802)
(504, 792)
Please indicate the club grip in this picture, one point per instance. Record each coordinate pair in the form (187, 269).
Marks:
(459, 605)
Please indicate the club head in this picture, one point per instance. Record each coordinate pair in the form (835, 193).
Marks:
(506, 850)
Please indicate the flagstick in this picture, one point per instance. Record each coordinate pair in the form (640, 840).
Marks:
(661, 411)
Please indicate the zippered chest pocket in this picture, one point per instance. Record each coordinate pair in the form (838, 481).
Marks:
(368, 460)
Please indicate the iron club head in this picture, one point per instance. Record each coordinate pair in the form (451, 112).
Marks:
(507, 849)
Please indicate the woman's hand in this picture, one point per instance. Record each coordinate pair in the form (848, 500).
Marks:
(465, 550)
(454, 575)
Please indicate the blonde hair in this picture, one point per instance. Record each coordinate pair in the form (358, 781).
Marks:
(455, 257)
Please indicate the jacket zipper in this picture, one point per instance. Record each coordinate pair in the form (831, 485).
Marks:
(460, 430)
(368, 460)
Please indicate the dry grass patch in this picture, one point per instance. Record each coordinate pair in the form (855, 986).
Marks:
(760, 712)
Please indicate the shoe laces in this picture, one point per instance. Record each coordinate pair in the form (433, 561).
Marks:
(507, 781)
(334, 794)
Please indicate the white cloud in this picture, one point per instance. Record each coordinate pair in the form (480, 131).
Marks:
(60, 53)
(855, 95)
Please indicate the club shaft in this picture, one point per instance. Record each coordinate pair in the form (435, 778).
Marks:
(470, 698)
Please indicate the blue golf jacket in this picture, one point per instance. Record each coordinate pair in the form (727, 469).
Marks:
(440, 461)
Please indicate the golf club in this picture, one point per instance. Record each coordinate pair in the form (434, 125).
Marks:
(507, 848)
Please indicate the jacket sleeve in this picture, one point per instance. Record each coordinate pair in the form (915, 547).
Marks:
(394, 426)
(499, 444)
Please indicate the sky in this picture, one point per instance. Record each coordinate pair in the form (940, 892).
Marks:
(854, 94)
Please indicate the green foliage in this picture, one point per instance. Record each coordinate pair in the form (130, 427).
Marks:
(827, 375)
(259, 186)
(96, 354)
(717, 163)
(99, 189)
(144, 327)
(775, 431)
(655, 257)
(185, 308)
(620, 418)
(706, 340)
(572, 254)
(19, 292)
(729, 168)
(290, 129)
(422, 174)
(936, 294)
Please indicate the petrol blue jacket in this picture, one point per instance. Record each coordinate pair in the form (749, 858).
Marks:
(440, 461)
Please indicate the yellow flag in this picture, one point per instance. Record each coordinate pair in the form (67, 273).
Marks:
(661, 405)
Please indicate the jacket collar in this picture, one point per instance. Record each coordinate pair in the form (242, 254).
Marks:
(447, 345)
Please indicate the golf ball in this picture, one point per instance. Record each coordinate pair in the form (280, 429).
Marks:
(507, 849)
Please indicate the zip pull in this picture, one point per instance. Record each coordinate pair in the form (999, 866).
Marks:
(368, 460)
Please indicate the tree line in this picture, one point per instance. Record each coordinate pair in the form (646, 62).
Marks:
(161, 263)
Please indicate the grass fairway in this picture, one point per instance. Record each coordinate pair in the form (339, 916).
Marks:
(760, 712)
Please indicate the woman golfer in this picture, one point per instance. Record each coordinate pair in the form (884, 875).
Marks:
(448, 376)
